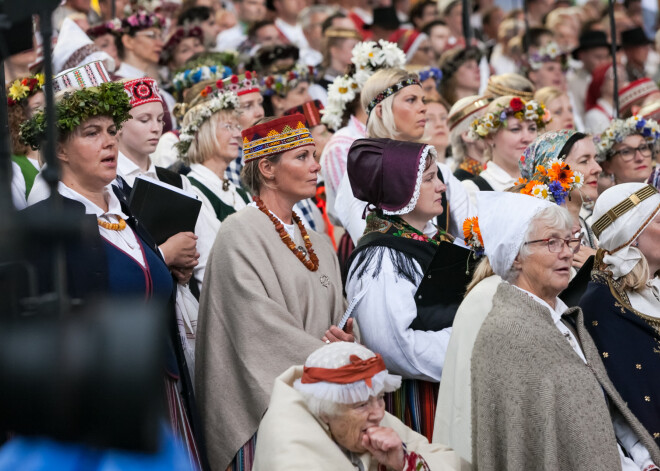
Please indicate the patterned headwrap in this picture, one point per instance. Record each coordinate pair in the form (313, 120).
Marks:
(546, 147)
(142, 91)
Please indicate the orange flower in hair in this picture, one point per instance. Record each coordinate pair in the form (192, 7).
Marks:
(562, 173)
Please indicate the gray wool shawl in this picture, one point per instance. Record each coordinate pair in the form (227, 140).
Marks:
(261, 311)
(535, 403)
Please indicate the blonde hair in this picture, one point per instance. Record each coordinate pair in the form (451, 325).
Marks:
(546, 95)
(205, 144)
(495, 107)
(458, 148)
(481, 272)
(510, 84)
(385, 126)
(251, 177)
(638, 276)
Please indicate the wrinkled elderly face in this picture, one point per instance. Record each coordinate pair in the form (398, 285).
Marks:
(349, 425)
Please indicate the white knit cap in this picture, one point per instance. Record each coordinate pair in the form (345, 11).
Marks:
(336, 355)
(74, 48)
(616, 238)
(503, 220)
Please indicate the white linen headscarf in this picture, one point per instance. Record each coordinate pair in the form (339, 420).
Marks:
(616, 239)
(336, 355)
(503, 220)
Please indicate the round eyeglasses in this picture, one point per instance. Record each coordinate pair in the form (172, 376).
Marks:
(555, 244)
(628, 153)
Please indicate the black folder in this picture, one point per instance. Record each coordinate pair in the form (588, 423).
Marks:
(164, 210)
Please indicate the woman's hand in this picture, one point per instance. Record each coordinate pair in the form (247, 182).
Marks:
(335, 334)
(386, 446)
(182, 275)
(582, 256)
(180, 250)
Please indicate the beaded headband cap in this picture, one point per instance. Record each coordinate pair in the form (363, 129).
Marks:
(623, 207)
(389, 91)
(274, 137)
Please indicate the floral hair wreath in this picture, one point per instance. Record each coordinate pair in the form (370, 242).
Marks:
(188, 78)
(108, 27)
(431, 72)
(367, 57)
(74, 108)
(621, 128)
(141, 20)
(24, 88)
(552, 182)
(517, 107)
(472, 235)
(283, 83)
(224, 100)
(548, 53)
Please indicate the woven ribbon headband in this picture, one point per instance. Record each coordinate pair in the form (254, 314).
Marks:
(389, 91)
(620, 209)
(358, 369)
(275, 143)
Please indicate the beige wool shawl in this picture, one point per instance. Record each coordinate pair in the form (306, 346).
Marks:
(261, 311)
(535, 403)
(291, 438)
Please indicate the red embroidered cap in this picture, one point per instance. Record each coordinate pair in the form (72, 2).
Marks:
(276, 136)
(142, 90)
(311, 110)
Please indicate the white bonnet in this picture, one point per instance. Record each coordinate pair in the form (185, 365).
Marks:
(616, 237)
(336, 355)
(503, 220)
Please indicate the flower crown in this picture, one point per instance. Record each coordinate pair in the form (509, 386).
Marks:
(552, 182)
(284, 82)
(74, 108)
(367, 57)
(548, 53)
(621, 128)
(24, 88)
(188, 78)
(431, 72)
(141, 20)
(109, 27)
(517, 107)
(224, 100)
(472, 235)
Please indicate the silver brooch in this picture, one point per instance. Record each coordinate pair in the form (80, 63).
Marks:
(325, 280)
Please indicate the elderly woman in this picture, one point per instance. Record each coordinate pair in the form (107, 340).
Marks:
(400, 181)
(508, 125)
(209, 142)
(622, 306)
(559, 105)
(394, 102)
(578, 151)
(626, 149)
(282, 296)
(467, 151)
(568, 414)
(329, 414)
(126, 261)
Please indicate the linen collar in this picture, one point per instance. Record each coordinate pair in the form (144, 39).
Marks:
(129, 171)
(114, 207)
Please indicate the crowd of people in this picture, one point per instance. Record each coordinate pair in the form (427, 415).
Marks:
(417, 247)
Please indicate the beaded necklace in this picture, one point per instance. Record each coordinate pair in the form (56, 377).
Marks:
(117, 226)
(312, 264)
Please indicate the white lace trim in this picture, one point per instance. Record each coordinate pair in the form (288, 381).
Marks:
(350, 393)
(418, 184)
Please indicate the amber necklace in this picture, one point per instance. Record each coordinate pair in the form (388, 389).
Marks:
(117, 226)
(313, 263)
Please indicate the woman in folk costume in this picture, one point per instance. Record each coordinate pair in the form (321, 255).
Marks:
(394, 102)
(126, 261)
(627, 148)
(185, 253)
(399, 180)
(577, 151)
(622, 303)
(568, 415)
(210, 140)
(467, 151)
(329, 414)
(24, 98)
(453, 423)
(272, 292)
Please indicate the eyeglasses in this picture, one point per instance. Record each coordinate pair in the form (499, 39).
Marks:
(628, 153)
(150, 34)
(231, 127)
(555, 244)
